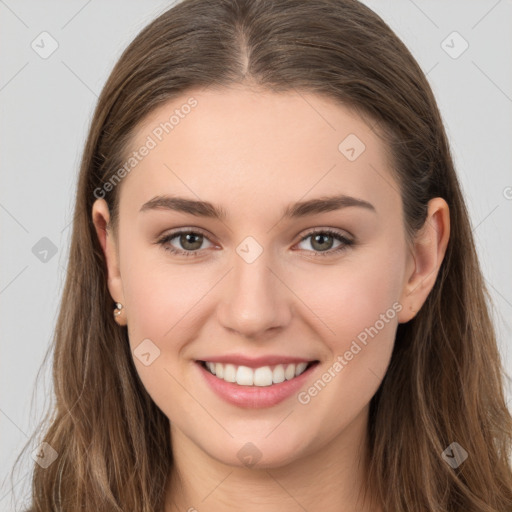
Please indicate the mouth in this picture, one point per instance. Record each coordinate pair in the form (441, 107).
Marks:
(263, 376)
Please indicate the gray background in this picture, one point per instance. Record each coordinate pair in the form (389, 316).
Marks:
(46, 106)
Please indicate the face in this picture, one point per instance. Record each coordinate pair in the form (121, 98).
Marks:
(325, 286)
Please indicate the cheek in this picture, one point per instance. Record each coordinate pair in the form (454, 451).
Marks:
(352, 296)
(160, 293)
(157, 300)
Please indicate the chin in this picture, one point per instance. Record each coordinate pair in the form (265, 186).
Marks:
(260, 453)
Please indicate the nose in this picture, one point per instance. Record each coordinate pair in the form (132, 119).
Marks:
(254, 299)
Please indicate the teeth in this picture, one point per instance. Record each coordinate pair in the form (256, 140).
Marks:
(289, 373)
(229, 373)
(263, 376)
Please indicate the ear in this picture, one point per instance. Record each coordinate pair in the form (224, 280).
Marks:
(101, 219)
(425, 259)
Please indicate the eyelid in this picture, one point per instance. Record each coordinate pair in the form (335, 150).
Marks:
(334, 231)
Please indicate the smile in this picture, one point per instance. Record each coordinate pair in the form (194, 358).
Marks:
(255, 387)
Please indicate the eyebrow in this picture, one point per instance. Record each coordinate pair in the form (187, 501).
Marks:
(292, 211)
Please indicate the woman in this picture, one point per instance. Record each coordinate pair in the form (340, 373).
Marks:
(273, 298)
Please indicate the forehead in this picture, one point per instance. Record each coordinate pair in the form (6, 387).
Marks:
(240, 146)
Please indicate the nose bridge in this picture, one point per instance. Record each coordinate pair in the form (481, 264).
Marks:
(253, 301)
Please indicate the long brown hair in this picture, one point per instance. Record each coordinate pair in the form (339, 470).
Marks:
(445, 381)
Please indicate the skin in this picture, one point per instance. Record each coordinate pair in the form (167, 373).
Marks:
(253, 153)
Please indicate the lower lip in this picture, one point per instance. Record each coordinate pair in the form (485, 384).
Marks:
(254, 397)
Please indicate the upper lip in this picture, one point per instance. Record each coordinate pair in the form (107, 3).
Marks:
(255, 362)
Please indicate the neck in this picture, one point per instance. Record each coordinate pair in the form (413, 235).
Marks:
(327, 479)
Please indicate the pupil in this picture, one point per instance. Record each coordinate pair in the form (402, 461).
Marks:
(321, 237)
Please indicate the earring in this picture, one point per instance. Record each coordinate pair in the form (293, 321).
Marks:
(117, 312)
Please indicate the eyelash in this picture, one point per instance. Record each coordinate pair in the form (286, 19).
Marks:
(346, 243)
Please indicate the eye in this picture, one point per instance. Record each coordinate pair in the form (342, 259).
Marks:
(191, 241)
(322, 242)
